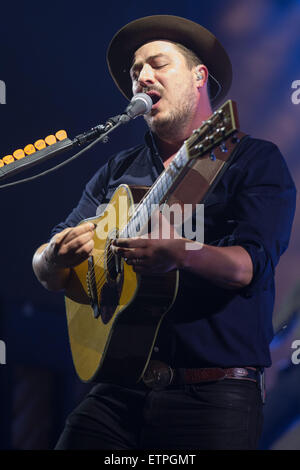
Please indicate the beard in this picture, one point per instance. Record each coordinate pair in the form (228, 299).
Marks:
(173, 124)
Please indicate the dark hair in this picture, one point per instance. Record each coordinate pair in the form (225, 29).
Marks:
(191, 60)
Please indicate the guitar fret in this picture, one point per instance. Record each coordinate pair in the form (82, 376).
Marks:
(156, 194)
(107, 284)
(165, 181)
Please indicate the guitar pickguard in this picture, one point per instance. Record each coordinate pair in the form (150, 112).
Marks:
(110, 295)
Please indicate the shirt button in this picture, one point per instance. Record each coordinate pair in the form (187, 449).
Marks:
(156, 349)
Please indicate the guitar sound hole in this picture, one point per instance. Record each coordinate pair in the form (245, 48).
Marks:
(111, 290)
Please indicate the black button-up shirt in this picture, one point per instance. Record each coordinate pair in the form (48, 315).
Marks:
(252, 206)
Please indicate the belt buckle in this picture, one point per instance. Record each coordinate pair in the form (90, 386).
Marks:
(158, 375)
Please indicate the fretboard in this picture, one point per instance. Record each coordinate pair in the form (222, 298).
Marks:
(156, 195)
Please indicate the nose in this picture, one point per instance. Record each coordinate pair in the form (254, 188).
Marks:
(146, 76)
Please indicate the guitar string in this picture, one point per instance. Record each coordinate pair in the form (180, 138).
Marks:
(154, 188)
(189, 145)
(110, 256)
(102, 278)
(167, 179)
(161, 180)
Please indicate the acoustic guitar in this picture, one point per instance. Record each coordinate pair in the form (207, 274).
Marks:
(113, 313)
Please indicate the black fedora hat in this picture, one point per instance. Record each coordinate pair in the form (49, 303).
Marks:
(173, 28)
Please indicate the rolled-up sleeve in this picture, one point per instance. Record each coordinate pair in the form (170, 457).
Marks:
(263, 210)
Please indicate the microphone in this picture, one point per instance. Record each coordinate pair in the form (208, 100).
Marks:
(140, 104)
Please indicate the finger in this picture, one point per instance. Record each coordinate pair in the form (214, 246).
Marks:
(129, 242)
(135, 260)
(132, 254)
(59, 237)
(87, 227)
(73, 259)
(85, 250)
(77, 242)
(70, 233)
(124, 252)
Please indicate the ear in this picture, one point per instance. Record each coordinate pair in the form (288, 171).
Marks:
(201, 75)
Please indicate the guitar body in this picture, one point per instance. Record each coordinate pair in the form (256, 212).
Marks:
(114, 314)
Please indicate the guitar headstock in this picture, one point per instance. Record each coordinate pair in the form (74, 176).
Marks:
(214, 132)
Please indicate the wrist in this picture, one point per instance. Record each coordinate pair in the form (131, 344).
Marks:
(55, 276)
(186, 254)
(50, 263)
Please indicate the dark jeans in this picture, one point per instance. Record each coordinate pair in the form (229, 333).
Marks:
(218, 415)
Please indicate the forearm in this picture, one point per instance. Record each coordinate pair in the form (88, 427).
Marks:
(52, 277)
(229, 267)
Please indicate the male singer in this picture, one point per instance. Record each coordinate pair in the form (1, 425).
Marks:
(215, 340)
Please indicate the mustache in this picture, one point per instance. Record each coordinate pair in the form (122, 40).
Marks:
(150, 88)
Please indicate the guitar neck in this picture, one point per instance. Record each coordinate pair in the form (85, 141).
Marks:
(157, 194)
(211, 135)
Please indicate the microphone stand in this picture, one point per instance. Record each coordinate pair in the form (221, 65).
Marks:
(99, 133)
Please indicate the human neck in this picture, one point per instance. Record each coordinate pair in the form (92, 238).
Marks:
(168, 145)
(167, 149)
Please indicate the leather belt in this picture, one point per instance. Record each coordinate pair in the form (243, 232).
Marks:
(160, 375)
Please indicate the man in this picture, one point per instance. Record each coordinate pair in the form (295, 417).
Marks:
(215, 338)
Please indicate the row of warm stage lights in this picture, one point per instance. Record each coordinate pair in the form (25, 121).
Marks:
(30, 149)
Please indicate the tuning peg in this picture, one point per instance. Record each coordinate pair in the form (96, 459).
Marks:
(235, 139)
(199, 147)
(223, 148)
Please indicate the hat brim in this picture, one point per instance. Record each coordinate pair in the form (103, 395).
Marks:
(173, 28)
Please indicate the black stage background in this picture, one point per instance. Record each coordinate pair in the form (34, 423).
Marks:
(52, 61)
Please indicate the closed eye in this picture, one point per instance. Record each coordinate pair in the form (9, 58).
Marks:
(135, 73)
(159, 66)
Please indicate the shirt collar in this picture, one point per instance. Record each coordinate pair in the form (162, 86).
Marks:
(154, 153)
(150, 142)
